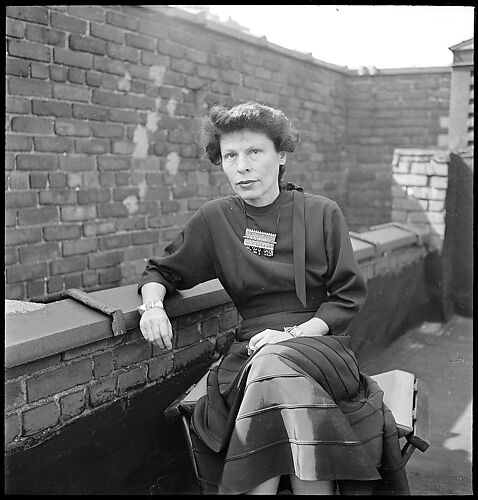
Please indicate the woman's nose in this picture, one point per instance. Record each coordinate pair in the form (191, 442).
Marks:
(242, 164)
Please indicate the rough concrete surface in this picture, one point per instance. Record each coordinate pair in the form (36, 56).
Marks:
(441, 356)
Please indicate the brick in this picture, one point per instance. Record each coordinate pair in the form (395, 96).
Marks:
(80, 246)
(72, 281)
(36, 288)
(52, 108)
(123, 52)
(91, 12)
(57, 180)
(37, 162)
(39, 253)
(95, 228)
(131, 223)
(140, 42)
(131, 379)
(72, 58)
(73, 404)
(128, 354)
(68, 23)
(40, 70)
(187, 355)
(11, 256)
(103, 364)
(90, 112)
(123, 116)
(17, 105)
(18, 142)
(439, 182)
(40, 418)
(87, 44)
(102, 391)
(91, 146)
(160, 367)
(106, 32)
(21, 236)
(110, 276)
(52, 144)
(58, 73)
(107, 130)
(16, 292)
(28, 13)
(70, 93)
(32, 216)
(32, 124)
(105, 259)
(62, 232)
(78, 213)
(121, 21)
(12, 428)
(187, 335)
(15, 29)
(45, 35)
(114, 163)
(92, 195)
(18, 67)
(145, 237)
(24, 272)
(210, 327)
(20, 199)
(106, 65)
(72, 128)
(14, 395)
(31, 367)
(76, 75)
(115, 241)
(28, 87)
(94, 79)
(68, 265)
(122, 148)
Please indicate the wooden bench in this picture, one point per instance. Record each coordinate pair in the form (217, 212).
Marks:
(404, 395)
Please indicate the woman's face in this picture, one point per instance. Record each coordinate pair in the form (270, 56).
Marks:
(251, 164)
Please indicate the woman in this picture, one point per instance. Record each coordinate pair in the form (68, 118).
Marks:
(288, 399)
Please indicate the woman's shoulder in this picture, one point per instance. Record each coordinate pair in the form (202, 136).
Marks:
(218, 205)
(319, 201)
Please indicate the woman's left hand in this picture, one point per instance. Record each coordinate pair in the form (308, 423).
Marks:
(266, 337)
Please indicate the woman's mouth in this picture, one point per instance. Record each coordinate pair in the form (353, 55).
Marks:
(246, 184)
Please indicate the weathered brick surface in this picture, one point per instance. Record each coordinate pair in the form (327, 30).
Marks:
(103, 108)
(131, 353)
(65, 377)
(14, 394)
(13, 428)
(40, 418)
(103, 391)
(73, 404)
(131, 379)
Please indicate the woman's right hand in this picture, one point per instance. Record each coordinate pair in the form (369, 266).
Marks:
(156, 327)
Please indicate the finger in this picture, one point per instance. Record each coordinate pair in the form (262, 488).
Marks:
(256, 338)
(169, 336)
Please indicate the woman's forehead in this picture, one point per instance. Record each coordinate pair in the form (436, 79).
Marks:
(243, 138)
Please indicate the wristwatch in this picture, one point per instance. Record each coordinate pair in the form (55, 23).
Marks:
(150, 304)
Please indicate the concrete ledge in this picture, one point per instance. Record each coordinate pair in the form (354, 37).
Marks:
(60, 326)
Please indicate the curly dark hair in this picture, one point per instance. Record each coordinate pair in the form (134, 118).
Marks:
(252, 116)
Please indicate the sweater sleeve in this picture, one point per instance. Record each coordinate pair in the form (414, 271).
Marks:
(345, 283)
(187, 260)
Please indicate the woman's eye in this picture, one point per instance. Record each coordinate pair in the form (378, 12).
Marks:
(229, 156)
(255, 151)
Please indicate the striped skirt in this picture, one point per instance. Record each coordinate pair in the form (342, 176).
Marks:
(298, 407)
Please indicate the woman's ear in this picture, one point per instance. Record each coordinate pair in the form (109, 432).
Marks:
(282, 157)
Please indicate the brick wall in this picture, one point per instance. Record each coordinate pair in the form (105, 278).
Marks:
(391, 109)
(102, 167)
(419, 191)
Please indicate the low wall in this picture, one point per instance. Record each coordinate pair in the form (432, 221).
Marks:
(80, 400)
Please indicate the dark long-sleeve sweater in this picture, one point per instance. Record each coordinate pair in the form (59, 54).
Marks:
(212, 246)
